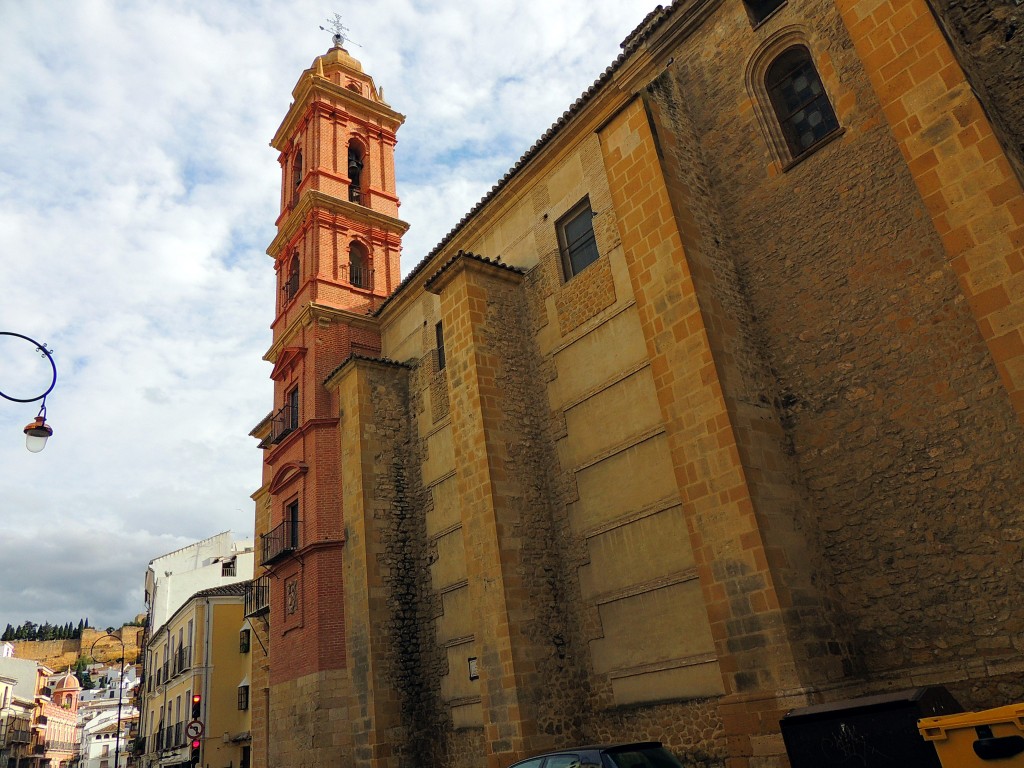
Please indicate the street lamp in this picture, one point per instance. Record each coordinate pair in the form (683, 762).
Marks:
(120, 693)
(38, 431)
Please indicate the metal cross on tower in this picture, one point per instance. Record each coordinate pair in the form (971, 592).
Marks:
(338, 28)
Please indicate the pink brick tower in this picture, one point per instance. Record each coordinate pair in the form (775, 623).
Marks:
(336, 255)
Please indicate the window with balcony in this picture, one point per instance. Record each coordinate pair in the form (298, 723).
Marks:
(284, 538)
(257, 596)
(359, 273)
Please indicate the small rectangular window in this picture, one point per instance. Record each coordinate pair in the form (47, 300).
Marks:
(439, 335)
(292, 512)
(243, 697)
(227, 568)
(292, 417)
(759, 10)
(243, 641)
(576, 240)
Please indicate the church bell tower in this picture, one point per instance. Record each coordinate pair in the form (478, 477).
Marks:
(336, 255)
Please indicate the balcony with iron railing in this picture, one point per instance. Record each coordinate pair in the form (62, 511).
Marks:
(257, 596)
(44, 693)
(20, 731)
(360, 275)
(280, 542)
(282, 423)
(41, 722)
(182, 660)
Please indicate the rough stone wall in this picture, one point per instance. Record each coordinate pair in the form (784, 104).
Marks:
(987, 37)
(402, 501)
(901, 429)
(60, 654)
(757, 408)
(545, 570)
(309, 720)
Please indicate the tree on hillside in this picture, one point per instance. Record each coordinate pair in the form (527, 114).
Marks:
(8, 633)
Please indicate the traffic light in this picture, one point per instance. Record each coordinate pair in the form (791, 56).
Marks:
(197, 706)
(194, 757)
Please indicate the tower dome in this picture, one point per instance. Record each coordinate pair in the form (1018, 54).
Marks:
(68, 683)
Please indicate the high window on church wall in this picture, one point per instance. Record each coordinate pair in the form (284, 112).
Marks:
(356, 162)
(576, 241)
(798, 98)
(759, 10)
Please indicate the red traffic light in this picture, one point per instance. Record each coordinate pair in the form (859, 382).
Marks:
(195, 743)
(196, 698)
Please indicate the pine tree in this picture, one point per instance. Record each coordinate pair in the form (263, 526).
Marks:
(8, 633)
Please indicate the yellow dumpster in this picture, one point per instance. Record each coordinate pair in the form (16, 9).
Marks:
(988, 739)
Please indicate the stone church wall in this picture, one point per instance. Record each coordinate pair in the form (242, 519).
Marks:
(901, 430)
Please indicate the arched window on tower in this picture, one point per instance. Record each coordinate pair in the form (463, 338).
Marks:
(355, 173)
(799, 100)
(291, 285)
(296, 175)
(359, 273)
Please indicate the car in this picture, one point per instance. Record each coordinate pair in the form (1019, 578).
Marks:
(643, 754)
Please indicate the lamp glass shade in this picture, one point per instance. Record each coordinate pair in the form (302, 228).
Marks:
(36, 435)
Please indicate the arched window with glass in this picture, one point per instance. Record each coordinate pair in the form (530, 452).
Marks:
(799, 100)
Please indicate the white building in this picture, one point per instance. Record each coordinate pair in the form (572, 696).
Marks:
(101, 747)
(173, 578)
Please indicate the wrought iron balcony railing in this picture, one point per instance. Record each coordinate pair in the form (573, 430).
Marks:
(182, 660)
(360, 276)
(281, 541)
(257, 596)
(21, 731)
(285, 421)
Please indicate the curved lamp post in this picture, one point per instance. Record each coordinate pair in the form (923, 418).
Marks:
(38, 431)
(120, 693)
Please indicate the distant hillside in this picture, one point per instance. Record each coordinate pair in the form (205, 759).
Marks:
(60, 654)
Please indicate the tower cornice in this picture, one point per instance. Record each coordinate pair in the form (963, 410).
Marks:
(318, 313)
(312, 88)
(314, 201)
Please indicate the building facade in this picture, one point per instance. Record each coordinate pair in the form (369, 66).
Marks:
(197, 668)
(711, 409)
(173, 578)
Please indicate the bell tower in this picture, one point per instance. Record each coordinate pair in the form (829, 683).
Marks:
(336, 255)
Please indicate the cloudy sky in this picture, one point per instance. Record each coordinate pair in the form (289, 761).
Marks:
(138, 193)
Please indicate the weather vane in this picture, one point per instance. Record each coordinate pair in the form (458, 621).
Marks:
(339, 30)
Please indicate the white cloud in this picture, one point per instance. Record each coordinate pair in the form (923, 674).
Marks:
(137, 196)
